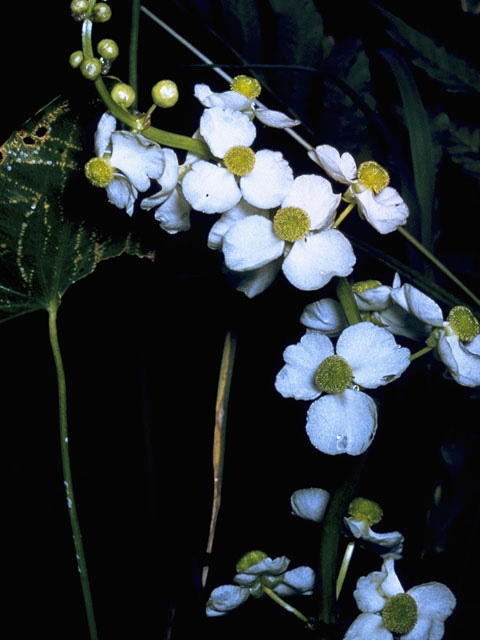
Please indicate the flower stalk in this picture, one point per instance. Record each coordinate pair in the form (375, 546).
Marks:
(288, 607)
(67, 472)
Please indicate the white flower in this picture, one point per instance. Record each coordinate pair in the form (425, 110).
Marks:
(388, 612)
(255, 573)
(135, 161)
(456, 339)
(262, 178)
(344, 420)
(311, 504)
(237, 101)
(300, 231)
(380, 205)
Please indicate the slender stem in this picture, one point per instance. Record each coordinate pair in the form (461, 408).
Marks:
(133, 50)
(419, 353)
(418, 245)
(343, 215)
(67, 473)
(288, 607)
(347, 556)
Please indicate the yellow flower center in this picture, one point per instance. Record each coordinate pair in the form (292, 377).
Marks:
(365, 285)
(99, 172)
(249, 559)
(247, 86)
(239, 160)
(291, 224)
(372, 176)
(365, 510)
(464, 323)
(334, 375)
(400, 614)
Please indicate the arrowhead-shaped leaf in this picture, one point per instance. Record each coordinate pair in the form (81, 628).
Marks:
(44, 247)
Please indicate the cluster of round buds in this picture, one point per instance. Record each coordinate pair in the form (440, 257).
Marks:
(101, 11)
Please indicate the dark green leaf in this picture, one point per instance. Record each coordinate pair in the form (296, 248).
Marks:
(463, 145)
(44, 249)
(453, 72)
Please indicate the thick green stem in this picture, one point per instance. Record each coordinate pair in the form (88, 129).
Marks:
(133, 50)
(347, 300)
(330, 538)
(67, 473)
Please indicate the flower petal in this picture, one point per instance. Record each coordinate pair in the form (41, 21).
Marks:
(275, 119)
(314, 195)
(342, 423)
(341, 168)
(295, 379)
(209, 188)
(238, 212)
(297, 581)
(103, 135)
(224, 100)
(426, 629)
(385, 211)
(253, 282)
(368, 592)
(167, 181)
(434, 600)
(463, 365)
(251, 243)
(137, 157)
(313, 261)
(376, 359)
(418, 304)
(310, 504)
(326, 316)
(225, 128)
(375, 299)
(122, 194)
(368, 626)
(225, 598)
(174, 214)
(269, 181)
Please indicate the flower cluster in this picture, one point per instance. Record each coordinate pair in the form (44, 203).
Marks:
(269, 220)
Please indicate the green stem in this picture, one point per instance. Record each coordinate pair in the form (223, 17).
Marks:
(67, 473)
(420, 353)
(288, 607)
(418, 245)
(347, 556)
(347, 300)
(135, 123)
(330, 538)
(343, 215)
(133, 50)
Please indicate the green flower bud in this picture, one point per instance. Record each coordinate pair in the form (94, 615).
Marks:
(249, 559)
(78, 7)
(76, 59)
(107, 49)
(101, 12)
(91, 68)
(123, 94)
(165, 94)
(365, 510)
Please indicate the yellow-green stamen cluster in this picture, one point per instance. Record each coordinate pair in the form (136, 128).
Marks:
(373, 176)
(291, 224)
(400, 614)
(247, 86)
(99, 172)
(464, 323)
(365, 510)
(334, 375)
(239, 160)
(249, 559)
(365, 285)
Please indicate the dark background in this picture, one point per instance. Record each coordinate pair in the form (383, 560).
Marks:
(142, 343)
